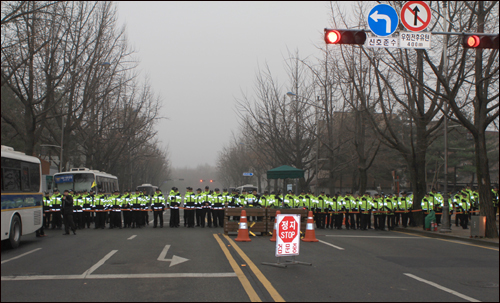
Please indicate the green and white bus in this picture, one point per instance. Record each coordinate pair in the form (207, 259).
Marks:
(22, 197)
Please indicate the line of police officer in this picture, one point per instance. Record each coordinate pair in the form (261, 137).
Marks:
(353, 211)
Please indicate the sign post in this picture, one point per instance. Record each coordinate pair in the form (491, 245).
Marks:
(287, 240)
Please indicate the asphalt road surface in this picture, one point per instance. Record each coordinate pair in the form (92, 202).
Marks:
(201, 264)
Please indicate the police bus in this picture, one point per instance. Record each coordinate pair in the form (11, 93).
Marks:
(148, 188)
(81, 179)
(22, 198)
(248, 187)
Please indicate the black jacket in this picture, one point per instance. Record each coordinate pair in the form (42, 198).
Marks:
(67, 205)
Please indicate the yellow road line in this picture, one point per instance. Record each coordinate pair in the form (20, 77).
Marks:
(452, 241)
(272, 291)
(239, 273)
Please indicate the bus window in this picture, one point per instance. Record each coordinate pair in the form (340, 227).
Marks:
(12, 179)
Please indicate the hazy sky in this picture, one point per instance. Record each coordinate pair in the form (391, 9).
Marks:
(201, 56)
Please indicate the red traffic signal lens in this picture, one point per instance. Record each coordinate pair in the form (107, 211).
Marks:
(211, 181)
(201, 180)
(473, 41)
(332, 37)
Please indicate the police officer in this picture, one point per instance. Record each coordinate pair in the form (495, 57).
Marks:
(46, 210)
(175, 202)
(115, 214)
(405, 207)
(158, 206)
(136, 201)
(217, 201)
(189, 206)
(55, 202)
(207, 206)
(437, 201)
(126, 208)
(200, 220)
(87, 207)
(100, 205)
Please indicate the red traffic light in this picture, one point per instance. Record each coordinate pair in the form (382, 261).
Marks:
(473, 41)
(479, 41)
(344, 36)
(201, 180)
(332, 37)
(211, 181)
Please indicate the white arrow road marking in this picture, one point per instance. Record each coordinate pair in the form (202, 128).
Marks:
(375, 16)
(175, 259)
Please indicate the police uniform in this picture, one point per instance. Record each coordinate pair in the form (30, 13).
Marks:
(158, 206)
(126, 209)
(175, 202)
(115, 214)
(55, 202)
(189, 207)
(217, 201)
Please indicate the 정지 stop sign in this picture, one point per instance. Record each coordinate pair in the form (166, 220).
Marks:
(288, 237)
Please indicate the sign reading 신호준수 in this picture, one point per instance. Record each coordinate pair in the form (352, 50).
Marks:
(288, 237)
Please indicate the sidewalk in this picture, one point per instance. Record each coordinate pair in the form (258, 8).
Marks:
(457, 233)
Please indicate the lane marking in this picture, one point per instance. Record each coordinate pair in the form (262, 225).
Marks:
(270, 289)
(98, 264)
(443, 288)
(452, 241)
(21, 255)
(132, 237)
(383, 237)
(121, 276)
(330, 244)
(239, 273)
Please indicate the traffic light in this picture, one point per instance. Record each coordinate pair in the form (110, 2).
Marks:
(211, 181)
(479, 41)
(344, 36)
(202, 180)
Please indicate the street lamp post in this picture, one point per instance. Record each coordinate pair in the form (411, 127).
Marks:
(445, 224)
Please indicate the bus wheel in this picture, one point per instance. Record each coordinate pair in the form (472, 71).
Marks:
(15, 232)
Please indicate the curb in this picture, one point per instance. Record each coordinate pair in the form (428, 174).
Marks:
(448, 236)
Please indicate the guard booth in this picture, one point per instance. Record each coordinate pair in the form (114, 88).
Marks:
(259, 226)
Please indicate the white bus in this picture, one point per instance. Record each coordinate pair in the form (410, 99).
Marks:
(22, 198)
(247, 187)
(80, 179)
(148, 188)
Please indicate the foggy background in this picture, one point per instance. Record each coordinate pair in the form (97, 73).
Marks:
(201, 56)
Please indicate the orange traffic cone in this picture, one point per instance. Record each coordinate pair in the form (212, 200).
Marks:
(310, 233)
(243, 229)
(273, 238)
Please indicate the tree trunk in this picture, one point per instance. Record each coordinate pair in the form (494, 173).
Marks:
(484, 187)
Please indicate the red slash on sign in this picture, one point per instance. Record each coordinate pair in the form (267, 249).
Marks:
(415, 15)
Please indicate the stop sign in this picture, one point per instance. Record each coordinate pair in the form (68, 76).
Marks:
(288, 229)
(288, 238)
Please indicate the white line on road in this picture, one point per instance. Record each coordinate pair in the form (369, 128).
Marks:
(121, 276)
(101, 262)
(132, 237)
(339, 248)
(21, 255)
(384, 237)
(443, 288)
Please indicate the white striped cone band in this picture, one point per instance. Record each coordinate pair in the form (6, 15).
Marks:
(243, 225)
(309, 218)
(275, 226)
(309, 226)
(243, 217)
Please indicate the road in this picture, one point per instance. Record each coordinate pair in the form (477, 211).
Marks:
(201, 264)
